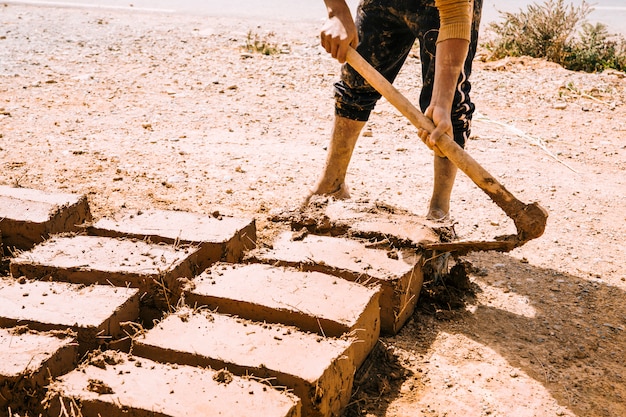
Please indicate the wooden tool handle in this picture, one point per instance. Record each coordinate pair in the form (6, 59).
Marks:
(530, 219)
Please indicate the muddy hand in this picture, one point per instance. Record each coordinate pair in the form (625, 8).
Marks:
(339, 32)
(425, 136)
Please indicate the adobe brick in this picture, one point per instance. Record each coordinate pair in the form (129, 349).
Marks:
(399, 229)
(311, 301)
(399, 273)
(30, 216)
(217, 237)
(28, 360)
(120, 385)
(317, 369)
(152, 268)
(93, 312)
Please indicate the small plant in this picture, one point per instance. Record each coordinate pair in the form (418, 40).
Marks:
(596, 50)
(548, 31)
(541, 31)
(256, 44)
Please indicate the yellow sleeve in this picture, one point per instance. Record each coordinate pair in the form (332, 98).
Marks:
(456, 19)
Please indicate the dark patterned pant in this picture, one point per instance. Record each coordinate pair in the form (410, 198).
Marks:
(387, 31)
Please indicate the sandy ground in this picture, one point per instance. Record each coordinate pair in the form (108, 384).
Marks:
(164, 111)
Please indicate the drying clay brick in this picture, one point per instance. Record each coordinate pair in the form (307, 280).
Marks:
(317, 369)
(398, 273)
(93, 312)
(217, 237)
(119, 385)
(30, 216)
(399, 229)
(28, 360)
(311, 301)
(152, 268)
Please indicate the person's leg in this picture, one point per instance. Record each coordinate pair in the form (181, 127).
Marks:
(385, 42)
(444, 176)
(342, 142)
(444, 170)
(462, 109)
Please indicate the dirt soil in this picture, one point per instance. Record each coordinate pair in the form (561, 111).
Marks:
(164, 111)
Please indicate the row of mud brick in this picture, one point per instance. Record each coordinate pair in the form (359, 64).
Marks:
(173, 313)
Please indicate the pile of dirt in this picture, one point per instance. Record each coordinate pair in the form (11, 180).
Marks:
(445, 296)
(379, 377)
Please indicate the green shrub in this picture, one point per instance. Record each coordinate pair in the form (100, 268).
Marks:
(540, 31)
(596, 50)
(548, 31)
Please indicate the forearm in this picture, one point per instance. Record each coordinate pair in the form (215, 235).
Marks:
(450, 58)
(452, 47)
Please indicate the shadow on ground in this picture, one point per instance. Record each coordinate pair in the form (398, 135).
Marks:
(566, 332)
